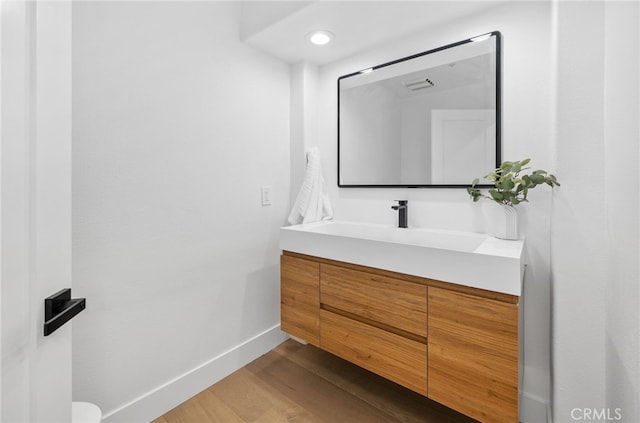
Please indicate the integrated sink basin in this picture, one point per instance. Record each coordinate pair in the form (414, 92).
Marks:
(465, 258)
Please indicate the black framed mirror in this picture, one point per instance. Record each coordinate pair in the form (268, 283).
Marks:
(427, 120)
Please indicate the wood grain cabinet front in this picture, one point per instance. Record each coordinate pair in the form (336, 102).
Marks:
(473, 355)
(377, 322)
(389, 355)
(300, 298)
(392, 303)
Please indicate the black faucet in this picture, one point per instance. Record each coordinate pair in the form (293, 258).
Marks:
(403, 211)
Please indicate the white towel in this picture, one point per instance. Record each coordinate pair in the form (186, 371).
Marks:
(312, 203)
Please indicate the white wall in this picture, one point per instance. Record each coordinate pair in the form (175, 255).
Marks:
(527, 132)
(371, 115)
(622, 161)
(414, 141)
(176, 126)
(595, 237)
(579, 285)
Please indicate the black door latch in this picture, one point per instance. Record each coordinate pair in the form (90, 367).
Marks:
(59, 309)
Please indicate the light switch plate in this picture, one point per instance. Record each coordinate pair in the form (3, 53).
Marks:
(266, 196)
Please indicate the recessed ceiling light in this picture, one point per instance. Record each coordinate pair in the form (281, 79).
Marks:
(320, 38)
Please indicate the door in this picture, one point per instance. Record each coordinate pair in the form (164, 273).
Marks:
(35, 207)
(463, 145)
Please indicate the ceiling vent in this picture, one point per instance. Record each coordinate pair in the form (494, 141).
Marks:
(418, 84)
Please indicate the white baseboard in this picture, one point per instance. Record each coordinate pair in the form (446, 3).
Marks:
(533, 409)
(162, 399)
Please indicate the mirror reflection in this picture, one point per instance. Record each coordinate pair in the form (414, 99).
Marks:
(431, 119)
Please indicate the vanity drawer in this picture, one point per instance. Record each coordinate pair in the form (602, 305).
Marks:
(394, 357)
(392, 302)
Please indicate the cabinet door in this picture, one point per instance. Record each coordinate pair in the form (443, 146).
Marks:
(300, 298)
(389, 355)
(473, 355)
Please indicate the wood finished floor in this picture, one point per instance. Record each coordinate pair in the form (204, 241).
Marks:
(301, 383)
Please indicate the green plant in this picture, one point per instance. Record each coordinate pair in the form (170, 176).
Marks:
(511, 188)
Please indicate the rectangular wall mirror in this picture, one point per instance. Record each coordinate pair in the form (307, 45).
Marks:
(428, 120)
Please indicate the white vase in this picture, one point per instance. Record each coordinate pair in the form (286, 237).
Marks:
(507, 226)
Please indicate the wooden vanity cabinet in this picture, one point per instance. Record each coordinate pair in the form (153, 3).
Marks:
(453, 344)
